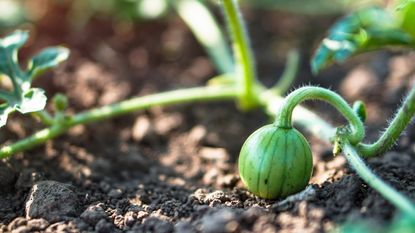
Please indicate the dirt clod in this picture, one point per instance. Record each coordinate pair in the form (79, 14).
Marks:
(52, 201)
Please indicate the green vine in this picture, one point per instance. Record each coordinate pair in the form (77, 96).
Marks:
(132, 105)
(284, 116)
(393, 131)
(389, 193)
(245, 70)
(273, 150)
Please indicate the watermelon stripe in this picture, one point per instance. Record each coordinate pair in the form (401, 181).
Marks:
(263, 157)
(284, 170)
(274, 147)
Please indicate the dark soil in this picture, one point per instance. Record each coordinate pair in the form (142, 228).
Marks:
(174, 169)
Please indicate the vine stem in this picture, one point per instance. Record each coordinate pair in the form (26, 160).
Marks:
(207, 31)
(269, 100)
(388, 192)
(302, 117)
(124, 107)
(284, 116)
(395, 128)
(44, 117)
(244, 61)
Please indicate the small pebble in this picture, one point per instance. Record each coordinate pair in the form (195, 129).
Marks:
(17, 222)
(142, 129)
(93, 214)
(37, 224)
(21, 229)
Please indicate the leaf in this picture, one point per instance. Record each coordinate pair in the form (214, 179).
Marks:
(5, 110)
(8, 53)
(364, 30)
(15, 40)
(23, 97)
(46, 59)
(33, 100)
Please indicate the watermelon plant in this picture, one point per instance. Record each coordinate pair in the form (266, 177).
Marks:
(23, 97)
(277, 151)
(276, 160)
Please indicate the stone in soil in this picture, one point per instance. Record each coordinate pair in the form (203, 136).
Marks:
(93, 214)
(51, 200)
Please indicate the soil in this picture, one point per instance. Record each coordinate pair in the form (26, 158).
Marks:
(174, 169)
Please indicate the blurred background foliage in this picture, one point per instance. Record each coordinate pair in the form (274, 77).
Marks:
(15, 12)
(199, 15)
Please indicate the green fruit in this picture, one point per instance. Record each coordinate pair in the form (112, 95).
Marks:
(275, 162)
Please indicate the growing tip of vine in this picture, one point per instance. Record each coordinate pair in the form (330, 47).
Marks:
(60, 102)
(360, 109)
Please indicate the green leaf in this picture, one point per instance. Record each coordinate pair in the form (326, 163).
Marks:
(8, 53)
(5, 110)
(33, 100)
(23, 97)
(15, 40)
(364, 30)
(46, 59)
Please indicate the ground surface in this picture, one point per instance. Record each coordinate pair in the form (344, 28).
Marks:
(174, 169)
